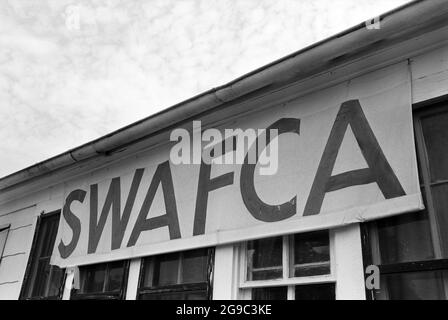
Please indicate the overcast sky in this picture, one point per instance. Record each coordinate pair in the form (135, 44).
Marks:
(72, 71)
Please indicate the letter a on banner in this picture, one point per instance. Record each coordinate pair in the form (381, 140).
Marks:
(379, 169)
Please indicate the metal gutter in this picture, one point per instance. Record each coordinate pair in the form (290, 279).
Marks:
(397, 24)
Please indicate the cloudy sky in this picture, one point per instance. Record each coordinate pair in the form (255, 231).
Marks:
(71, 71)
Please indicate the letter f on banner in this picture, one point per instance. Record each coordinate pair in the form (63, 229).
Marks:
(379, 170)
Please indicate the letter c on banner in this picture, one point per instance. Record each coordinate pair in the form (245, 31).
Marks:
(257, 208)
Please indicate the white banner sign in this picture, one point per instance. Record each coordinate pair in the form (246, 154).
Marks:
(345, 155)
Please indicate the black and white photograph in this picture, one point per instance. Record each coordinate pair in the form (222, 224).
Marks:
(244, 151)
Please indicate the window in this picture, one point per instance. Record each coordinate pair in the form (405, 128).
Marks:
(3, 236)
(102, 281)
(181, 276)
(296, 267)
(42, 280)
(411, 250)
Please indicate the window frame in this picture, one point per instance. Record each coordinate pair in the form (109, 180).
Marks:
(395, 268)
(245, 286)
(208, 286)
(106, 295)
(438, 263)
(3, 228)
(32, 256)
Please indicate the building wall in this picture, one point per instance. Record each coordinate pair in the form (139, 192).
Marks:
(21, 215)
(429, 80)
(17, 247)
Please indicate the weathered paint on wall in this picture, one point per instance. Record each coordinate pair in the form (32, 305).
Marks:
(17, 247)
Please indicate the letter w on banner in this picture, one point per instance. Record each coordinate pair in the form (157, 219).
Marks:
(345, 155)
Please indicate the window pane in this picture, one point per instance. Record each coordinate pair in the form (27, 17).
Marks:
(94, 277)
(49, 280)
(56, 280)
(435, 131)
(181, 295)
(196, 295)
(440, 197)
(43, 280)
(270, 293)
(148, 272)
(3, 235)
(194, 266)
(42, 274)
(311, 254)
(166, 270)
(325, 291)
(176, 268)
(264, 259)
(405, 238)
(116, 275)
(181, 276)
(412, 286)
(48, 242)
(104, 280)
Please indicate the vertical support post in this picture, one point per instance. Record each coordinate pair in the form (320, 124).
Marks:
(348, 263)
(133, 277)
(70, 275)
(224, 275)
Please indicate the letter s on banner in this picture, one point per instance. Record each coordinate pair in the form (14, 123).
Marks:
(72, 221)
